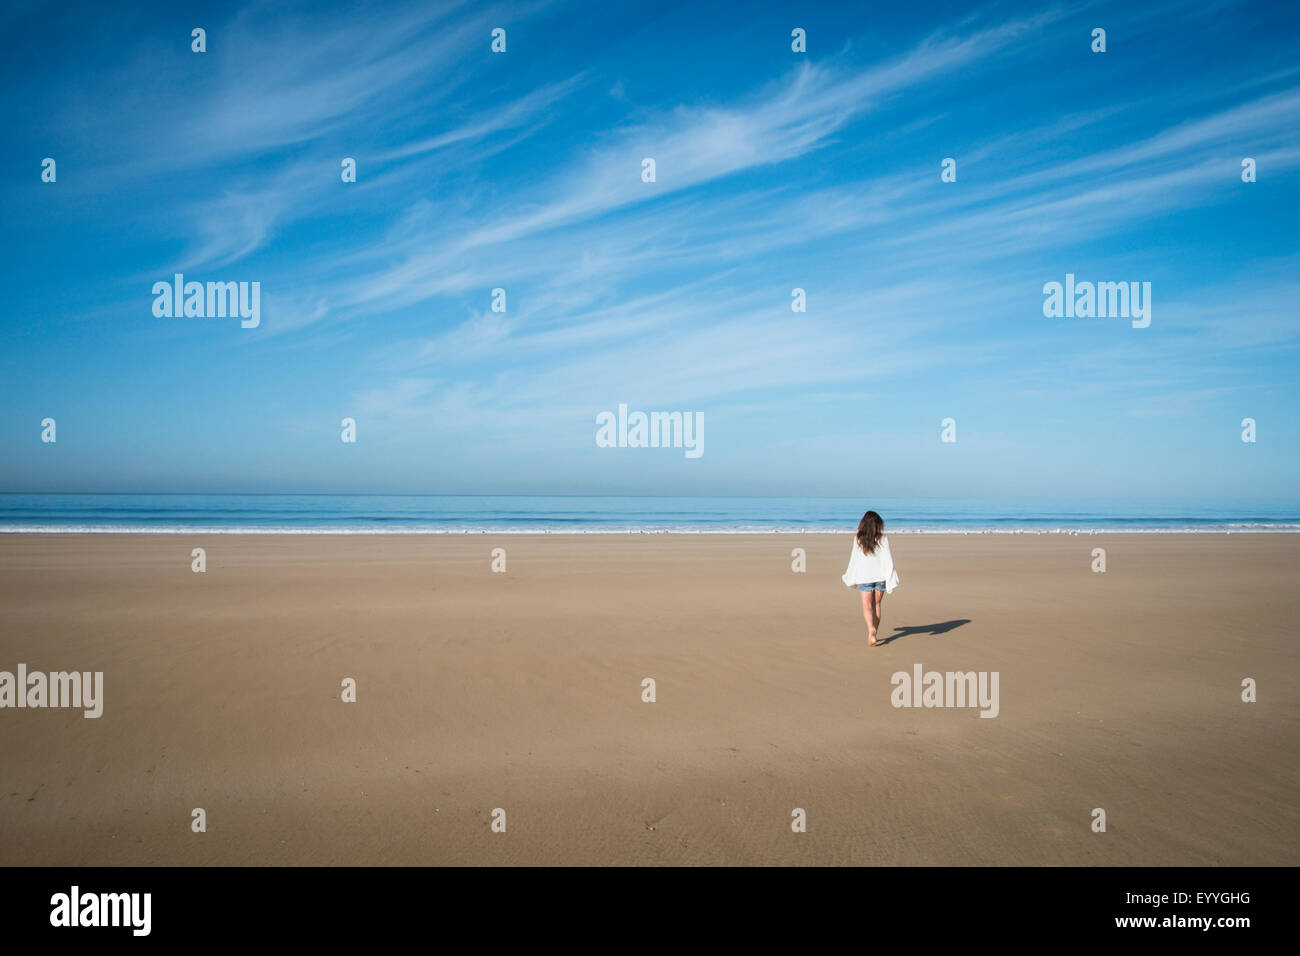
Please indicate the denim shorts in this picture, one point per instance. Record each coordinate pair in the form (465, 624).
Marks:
(873, 586)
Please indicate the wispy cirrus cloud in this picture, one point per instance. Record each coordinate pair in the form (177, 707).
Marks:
(818, 172)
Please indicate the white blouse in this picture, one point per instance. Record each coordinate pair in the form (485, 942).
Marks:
(869, 568)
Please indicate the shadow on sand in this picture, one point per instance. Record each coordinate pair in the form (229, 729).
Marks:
(935, 629)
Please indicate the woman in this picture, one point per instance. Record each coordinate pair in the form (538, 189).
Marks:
(871, 570)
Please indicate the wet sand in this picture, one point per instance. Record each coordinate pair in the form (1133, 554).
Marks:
(522, 690)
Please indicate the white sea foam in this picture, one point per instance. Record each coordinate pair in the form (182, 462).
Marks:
(684, 529)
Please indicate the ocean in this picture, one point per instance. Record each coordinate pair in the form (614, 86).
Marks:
(473, 514)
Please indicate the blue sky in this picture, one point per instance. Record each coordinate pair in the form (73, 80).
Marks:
(775, 170)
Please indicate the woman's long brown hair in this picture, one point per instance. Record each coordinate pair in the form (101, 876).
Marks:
(870, 528)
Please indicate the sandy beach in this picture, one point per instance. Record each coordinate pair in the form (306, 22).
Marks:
(522, 690)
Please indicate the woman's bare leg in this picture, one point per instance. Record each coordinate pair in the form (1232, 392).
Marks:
(879, 606)
(869, 612)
